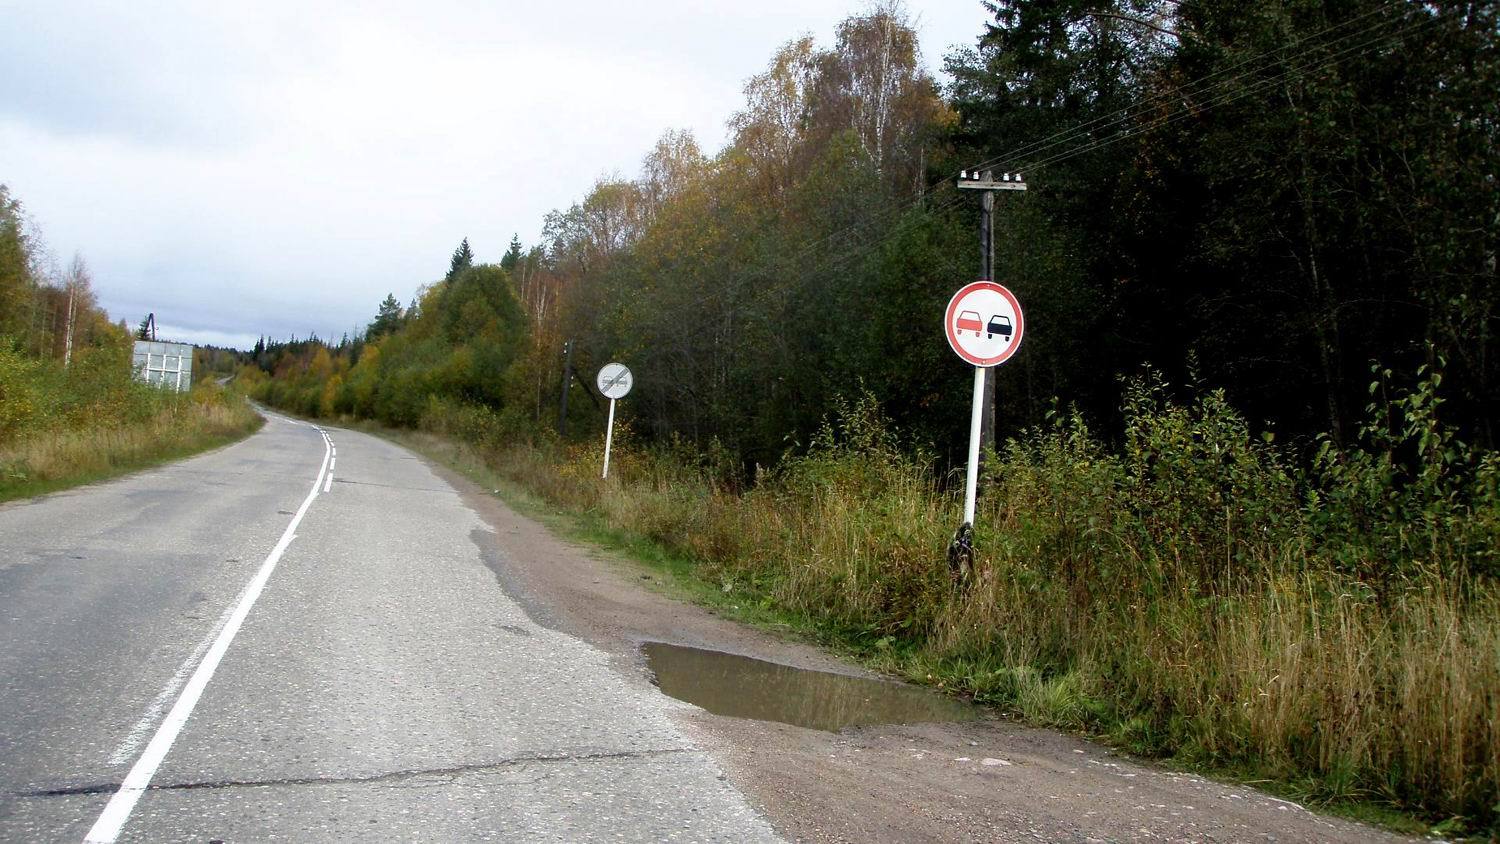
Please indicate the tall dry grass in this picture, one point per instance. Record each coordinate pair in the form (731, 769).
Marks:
(1335, 627)
(62, 426)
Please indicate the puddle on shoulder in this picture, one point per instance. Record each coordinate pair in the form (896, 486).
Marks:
(743, 687)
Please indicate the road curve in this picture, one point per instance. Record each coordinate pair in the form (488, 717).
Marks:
(371, 681)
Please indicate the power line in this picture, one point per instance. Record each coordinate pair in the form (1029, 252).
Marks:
(1219, 93)
(1227, 98)
(1203, 86)
(845, 257)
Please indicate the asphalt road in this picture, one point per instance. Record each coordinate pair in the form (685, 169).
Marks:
(236, 648)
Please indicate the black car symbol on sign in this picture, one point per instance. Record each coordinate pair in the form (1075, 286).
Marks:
(999, 324)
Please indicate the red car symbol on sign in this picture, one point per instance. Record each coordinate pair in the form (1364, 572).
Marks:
(970, 321)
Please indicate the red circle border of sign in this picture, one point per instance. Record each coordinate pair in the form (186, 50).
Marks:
(1015, 340)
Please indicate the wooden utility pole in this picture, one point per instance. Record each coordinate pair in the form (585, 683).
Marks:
(987, 273)
(567, 381)
(961, 549)
(986, 182)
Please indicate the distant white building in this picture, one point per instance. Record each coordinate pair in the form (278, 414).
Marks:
(164, 364)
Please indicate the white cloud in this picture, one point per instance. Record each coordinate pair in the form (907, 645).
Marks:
(279, 167)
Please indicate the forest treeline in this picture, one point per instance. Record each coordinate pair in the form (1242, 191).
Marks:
(1245, 507)
(1267, 198)
(39, 299)
(70, 410)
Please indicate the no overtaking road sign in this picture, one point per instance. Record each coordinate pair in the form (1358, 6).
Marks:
(984, 326)
(984, 323)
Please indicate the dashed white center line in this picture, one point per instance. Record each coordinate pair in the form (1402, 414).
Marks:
(328, 484)
(334, 452)
(112, 821)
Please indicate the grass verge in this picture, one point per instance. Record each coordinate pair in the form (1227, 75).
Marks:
(52, 460)
(1068, 699)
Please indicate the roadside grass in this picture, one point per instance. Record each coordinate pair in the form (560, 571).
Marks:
(1006, 681)
(1331, 634)
(104, 446)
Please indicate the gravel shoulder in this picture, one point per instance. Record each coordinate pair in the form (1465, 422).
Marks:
(989, 780)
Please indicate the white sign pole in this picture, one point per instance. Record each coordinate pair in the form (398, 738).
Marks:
(976, 414)
(984, 326)
(614, 383)
(609, 435)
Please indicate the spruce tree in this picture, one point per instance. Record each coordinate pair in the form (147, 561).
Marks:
(512, 255)
(387, 320)
(463, 259)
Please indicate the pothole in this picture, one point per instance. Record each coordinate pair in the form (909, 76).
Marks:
(744, 687)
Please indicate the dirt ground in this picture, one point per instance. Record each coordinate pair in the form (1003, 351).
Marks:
(989, 780)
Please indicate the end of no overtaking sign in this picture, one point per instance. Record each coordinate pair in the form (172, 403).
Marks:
(614, 381)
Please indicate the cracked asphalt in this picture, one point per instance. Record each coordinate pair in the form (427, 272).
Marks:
(383, 686)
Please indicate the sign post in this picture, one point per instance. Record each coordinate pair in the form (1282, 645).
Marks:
(976, 431)
(614, 382)
(984, 325)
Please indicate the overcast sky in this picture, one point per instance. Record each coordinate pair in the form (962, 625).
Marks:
(278, 167)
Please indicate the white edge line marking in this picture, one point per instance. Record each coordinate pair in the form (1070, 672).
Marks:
(112, 821)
